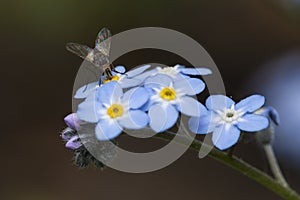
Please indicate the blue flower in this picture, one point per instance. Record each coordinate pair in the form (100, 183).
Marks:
(169, 97)
(112, 110)
(126, 80)
(226, 120)
(269, 112)
(176, 72)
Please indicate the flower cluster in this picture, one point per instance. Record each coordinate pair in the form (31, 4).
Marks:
(156, 97)
(139, 98)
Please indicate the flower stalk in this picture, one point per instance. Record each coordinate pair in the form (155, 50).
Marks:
(278, 187)
(274, 165)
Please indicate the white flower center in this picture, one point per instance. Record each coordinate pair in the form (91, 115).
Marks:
(171, 71)
(230, 115)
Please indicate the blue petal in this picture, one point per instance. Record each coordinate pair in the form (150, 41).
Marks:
(136, 97)
(145, 74)
(162, 118)
(107, 130)
(129, 82)
(218, 102)
(85, 90)
(74, 143)
(120, 69)
(137, 71)
(191, 107)
(269, 112)
(135, 119)
(159, 80)
(92, 96)
(179, 67)
(109, 93)
(149, 103)
(225, 136)
(87, 111)
(202, 125)
(251, 104)
(253, 123)
(196, 71)
(190, 86)
(181, 76)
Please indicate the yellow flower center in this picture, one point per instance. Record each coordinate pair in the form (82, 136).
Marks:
(115, 110)
(168, 94)
(114, 78)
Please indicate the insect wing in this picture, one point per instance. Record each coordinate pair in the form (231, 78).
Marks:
(103, 41)
(80, 50)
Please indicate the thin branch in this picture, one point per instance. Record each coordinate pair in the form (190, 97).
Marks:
(255, 174)
(274, 165)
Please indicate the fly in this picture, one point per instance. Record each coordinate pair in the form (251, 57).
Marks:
(99, 56)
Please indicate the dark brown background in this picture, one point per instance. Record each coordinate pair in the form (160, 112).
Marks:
(37, 75)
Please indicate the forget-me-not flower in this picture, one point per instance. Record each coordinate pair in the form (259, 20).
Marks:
(125, 79)
(226, 120)
(112, 110)
(169, 97)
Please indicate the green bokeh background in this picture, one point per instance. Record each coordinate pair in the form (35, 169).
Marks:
(37, 75)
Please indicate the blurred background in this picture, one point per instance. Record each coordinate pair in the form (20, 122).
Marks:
(255, 44)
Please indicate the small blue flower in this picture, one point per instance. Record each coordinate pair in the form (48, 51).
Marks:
(126, 80)
(112, 110)
(226, 119)
(271, 113)
(176, 72)
(169, 97)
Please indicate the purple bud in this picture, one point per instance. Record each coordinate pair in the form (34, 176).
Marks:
(72, 121)
(67, 134)
(74, 143)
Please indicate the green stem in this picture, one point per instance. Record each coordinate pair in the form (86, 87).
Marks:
(230, 151)
(255, 174)
(274, 165)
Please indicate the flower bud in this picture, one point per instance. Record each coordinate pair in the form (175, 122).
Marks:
(72, 121)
